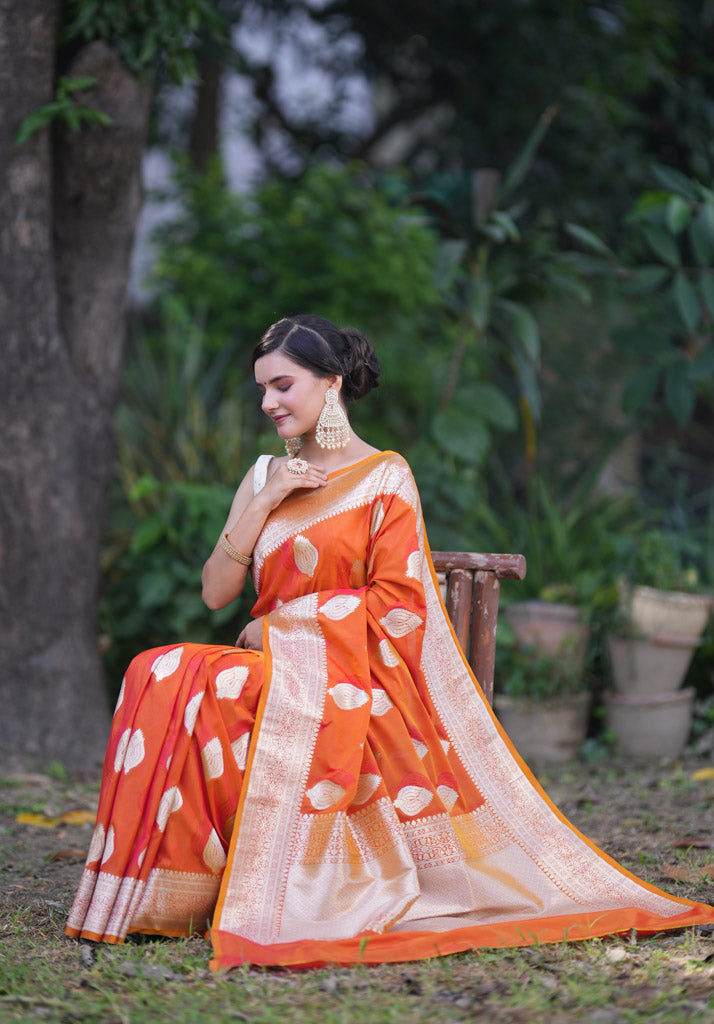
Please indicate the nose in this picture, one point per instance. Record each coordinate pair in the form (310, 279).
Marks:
(269, 402)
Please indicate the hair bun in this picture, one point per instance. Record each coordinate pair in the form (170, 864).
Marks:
(362, 369)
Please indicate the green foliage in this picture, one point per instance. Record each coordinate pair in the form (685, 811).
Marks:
(498, 258)
(66, 109)
(189, 424)
(528, 673)
(145, 32)
(662, 558)
(180, 417)
(182, 449)
(629, 80)
(161, 534)
(570, 542)
(339, 242)
(671, 277)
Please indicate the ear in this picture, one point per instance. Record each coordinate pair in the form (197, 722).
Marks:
(335, 382)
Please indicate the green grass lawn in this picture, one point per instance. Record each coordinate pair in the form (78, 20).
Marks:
(638, 816)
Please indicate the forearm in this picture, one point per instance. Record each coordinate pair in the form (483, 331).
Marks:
(223, 578)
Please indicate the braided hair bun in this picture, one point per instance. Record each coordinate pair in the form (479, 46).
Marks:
(326, 350)
(362, 369)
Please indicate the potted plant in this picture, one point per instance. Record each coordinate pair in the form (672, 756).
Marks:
(569, 548)
(542, 695)
(659, 624)
(541, 698)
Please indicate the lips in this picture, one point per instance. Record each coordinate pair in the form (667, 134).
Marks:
(277, 420)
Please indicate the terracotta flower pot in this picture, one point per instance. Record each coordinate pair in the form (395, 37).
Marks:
(549, 628)
(650, 728)
(649, 666)
(666, 613)
(549, 732)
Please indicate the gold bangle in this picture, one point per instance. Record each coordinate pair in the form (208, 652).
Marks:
(231, 551)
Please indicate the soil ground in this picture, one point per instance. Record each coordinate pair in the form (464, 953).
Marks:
(658, 821)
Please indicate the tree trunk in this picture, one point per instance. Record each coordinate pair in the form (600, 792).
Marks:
(203, 145)
(68, 206)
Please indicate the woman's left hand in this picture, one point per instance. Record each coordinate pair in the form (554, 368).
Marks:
(251, 636)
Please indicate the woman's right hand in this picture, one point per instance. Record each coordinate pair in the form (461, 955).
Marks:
(282, 482)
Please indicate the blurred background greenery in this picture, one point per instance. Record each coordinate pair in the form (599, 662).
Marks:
(523, 222)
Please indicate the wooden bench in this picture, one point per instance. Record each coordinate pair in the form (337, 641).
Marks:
(470, 586)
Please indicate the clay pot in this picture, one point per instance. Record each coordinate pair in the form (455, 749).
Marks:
(549, 732)
(549, 628)
(650, 728)
(649, 666)
(667, 613)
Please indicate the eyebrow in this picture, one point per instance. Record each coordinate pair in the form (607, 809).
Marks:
(274, 380)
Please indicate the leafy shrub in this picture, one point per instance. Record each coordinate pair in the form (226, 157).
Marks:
(189, 424)
(162, 532)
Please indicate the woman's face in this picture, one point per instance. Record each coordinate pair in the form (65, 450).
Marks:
(293, 396)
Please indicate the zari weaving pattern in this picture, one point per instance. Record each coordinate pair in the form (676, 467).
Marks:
(280, 764)
(344, 795)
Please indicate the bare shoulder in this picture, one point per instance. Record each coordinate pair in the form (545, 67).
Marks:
(241, 498)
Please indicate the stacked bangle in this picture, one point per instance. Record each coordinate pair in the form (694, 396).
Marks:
(237, 556)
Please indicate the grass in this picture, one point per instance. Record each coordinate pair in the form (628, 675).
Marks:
(659, 980)
(601, 981)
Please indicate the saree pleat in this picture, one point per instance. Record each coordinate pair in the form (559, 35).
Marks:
(347, 795)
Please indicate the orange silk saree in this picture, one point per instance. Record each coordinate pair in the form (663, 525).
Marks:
(347, 795)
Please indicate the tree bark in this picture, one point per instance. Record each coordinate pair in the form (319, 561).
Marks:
(203, 145)
(68, 207)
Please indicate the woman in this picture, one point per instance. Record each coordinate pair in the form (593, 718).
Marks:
(335, 789)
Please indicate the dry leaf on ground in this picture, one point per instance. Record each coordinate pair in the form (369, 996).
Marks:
(684, 873)
(68, 818)
(71, 853)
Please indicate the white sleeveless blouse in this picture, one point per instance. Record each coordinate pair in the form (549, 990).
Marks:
(260, 473)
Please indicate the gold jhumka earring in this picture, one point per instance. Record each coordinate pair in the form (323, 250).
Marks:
(333, 427)
(296, 466)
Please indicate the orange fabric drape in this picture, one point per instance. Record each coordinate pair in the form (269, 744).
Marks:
(348, 795)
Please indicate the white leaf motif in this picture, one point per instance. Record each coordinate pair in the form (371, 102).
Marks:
(413, 799)
(421, 748)
(140, 858)
(305, 554)
(166, 664)
(135, 751)
(171, 801)
(97, 844)
(191, 712)
(347, 697)
(240, 750)
(212, 757)
(445, 744)
(380, 702)
(230, 682)
(324, 794)
(400, 621)
(388, 655)
(376, 518)
(120, 698)
(214, 856)
(414, 565)
(366, 785)
(108, 845)
(340, 606)
(447, 795)
(120, 753)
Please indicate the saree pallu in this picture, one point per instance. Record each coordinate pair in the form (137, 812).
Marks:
(346, 795)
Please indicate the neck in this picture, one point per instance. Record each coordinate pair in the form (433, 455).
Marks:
(332, 459)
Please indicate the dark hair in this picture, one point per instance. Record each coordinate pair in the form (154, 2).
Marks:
(315, 343)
